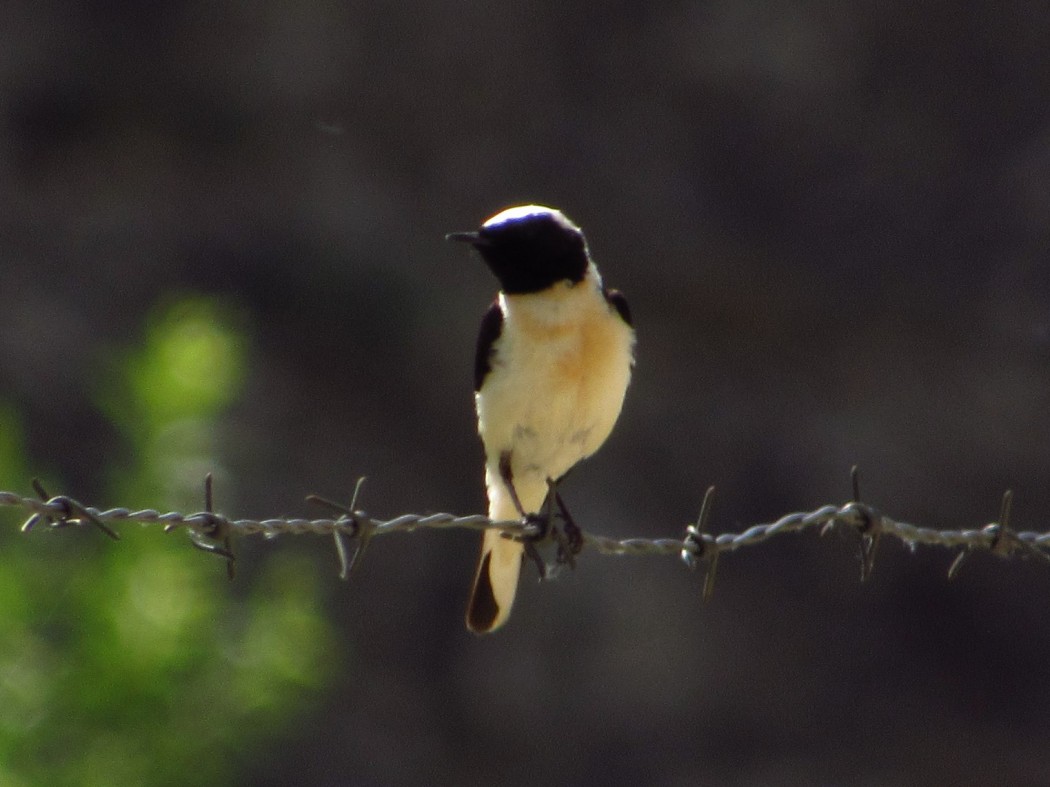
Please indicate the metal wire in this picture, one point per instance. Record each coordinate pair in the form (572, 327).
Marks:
(212, 531)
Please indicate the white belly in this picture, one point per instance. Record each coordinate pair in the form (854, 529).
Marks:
(553, 394)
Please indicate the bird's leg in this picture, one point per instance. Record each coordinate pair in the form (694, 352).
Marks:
(571, 541)
(529, 543)
(507, 476)
(565, 554)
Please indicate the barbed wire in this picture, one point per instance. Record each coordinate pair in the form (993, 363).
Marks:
(213, 532)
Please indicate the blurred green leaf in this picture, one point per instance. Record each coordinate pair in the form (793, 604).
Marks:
(192, 363)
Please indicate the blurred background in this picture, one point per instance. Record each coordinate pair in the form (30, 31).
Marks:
(221, 250)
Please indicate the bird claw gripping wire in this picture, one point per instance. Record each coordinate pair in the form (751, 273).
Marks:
(569, 537)
(539, 528)
(359, 524)
(69, 512)
(699, 545)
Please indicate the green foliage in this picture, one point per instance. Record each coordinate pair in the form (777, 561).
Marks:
(166, 395)
(135, 662)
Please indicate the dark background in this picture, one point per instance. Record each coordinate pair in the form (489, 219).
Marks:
(831, 220)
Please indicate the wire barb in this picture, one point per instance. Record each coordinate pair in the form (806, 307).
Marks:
(360, 525)
(213, 528)
(699, 545)
(1002, 544)
(1000, 539)
(870, 529)
(69, 512)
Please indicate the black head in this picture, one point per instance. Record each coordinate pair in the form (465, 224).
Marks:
(529, 248)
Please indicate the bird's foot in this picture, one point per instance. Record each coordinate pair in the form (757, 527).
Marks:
(530, 542)
(571, 542)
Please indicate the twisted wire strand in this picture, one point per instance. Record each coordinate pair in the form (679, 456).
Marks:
(61, 511)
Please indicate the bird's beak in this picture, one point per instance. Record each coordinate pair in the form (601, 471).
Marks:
(473, 238)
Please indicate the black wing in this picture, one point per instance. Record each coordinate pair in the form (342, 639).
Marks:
(491, 327)
(617, 301)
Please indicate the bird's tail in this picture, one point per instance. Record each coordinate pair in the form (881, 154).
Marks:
(496, 578)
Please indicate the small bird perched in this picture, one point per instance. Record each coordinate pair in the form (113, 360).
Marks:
(553, 360)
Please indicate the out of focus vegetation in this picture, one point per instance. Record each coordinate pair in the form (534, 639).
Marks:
(134, 662)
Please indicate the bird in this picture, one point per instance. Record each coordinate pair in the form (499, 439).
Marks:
(553, 360)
